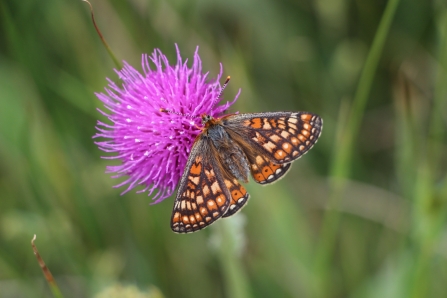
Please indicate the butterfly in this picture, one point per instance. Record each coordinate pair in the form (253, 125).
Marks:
(227, 151)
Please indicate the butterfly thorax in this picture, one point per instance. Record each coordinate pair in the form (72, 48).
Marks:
(233, 158)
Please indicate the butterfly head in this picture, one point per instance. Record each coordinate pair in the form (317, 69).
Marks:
(209, 121)
(206, 118)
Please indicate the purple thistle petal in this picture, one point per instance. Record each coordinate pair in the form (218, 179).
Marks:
(153, 146)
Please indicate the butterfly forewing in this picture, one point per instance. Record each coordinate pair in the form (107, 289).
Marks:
(202, 197)
(281, 136)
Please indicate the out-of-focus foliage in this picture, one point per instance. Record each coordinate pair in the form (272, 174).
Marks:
(365, 219)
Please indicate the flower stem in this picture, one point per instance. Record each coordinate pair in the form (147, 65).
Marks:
(235, 278)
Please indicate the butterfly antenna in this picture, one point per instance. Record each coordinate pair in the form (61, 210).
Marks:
(163, 110)
(223, 87)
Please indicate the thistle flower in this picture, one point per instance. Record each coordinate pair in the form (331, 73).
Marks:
(153, 145)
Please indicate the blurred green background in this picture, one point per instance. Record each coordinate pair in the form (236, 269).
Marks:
(363, 214)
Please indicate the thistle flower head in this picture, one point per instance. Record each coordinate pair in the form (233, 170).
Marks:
(154, 118)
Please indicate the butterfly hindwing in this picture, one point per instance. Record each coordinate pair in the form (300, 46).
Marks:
(239, 196)
(264, 171)
(202, 197)
(281, 136)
